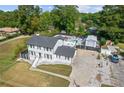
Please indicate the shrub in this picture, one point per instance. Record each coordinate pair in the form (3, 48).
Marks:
(18, 50)
(102, 41)
(47, 33)
(116, 41)
(9, 37)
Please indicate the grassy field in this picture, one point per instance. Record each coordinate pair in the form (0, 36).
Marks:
(20, 74)
(2, 84)
(59, 69)
(121, 45)
(7, 53)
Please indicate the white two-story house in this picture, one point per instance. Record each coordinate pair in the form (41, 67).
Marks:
(49, 50)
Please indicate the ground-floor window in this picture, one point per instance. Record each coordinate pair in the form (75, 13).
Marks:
(31, 52)
(67, 58)
(47, 56)
(39, 54)
(50, 56)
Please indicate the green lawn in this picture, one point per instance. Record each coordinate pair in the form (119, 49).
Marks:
(121, 45)
(30, 78)
(105, 85)
(7, 53)
(58, 68)
(2, 84)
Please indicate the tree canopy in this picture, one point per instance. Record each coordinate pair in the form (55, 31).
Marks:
(31, 19)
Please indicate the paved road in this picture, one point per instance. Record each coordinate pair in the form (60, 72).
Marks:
(22, 36)
(118, 73)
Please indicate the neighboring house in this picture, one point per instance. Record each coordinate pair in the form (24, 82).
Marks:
(72, 41)
(63, 32)
(109, 50)
(92, 30)
(67, 40)
(8, 31)
(91, 42)
(49, 50)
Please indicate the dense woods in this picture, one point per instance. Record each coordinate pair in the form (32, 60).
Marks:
(109, 22)
(31, 19)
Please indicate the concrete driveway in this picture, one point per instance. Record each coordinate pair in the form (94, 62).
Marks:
(118, 73)
(84, 69)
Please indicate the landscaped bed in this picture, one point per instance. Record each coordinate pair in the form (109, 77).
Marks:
(20, 74)
(58, 68)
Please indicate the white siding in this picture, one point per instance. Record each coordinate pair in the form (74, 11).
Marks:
(47, 55)
(90, 43)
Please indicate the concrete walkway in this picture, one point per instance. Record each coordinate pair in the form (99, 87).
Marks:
(50, 73)
(22, 36)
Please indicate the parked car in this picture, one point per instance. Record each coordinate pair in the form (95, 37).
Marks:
(114, 58)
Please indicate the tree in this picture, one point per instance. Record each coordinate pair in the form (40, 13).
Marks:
(102, 41)
(67, 17)
(45, 21)
(9, 19)
(112, 21)
(27, 17)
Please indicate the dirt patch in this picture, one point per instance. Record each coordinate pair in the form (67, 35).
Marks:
(98, 77)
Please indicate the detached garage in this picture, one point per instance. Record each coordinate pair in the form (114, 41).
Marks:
(91, 42)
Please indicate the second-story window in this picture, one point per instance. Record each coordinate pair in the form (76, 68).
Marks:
(47, 49)
(30, 46)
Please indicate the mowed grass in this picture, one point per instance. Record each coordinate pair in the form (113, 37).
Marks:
(2, 84)
(7, 53)
(58, 68)
(20, 74)
(121, 45)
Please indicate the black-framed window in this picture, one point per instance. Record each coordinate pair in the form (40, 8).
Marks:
(51, 56)
(47, 49)
(31, 52)
(47, 56)
(39, 54)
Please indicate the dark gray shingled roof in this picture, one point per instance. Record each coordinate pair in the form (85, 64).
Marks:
(43, 41)
(65, 51)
